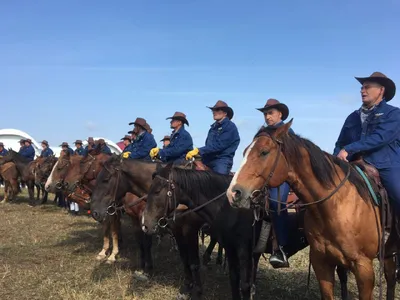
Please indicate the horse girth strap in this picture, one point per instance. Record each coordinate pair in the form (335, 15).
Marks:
(368, 183)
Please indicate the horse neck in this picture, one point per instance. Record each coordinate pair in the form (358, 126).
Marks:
(140, 175)
(20, 164)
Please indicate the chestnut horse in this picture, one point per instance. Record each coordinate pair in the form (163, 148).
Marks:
(341, 221)
(9, 173)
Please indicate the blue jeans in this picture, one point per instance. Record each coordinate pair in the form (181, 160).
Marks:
(220, 166)
(390, 178)
(281, 222)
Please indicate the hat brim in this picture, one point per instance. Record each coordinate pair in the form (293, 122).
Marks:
(228, 110)
(165, 140)
(125, 139)
(182, 119)
(387, 83)
(280, 106)
(134, 123)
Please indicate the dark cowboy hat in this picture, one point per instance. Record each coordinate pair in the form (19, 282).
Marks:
(22, 140)
(383, 80)
(101, 141)
(273, 103)
(127, 137)
(180, 117)
(90, 139)
(1, 144)
(166, 138)
(29, 141)
(64, 144)
(45, 142)
(224, 107)
(130, 132)
(78, 142)
(148, 128)
(140, 122)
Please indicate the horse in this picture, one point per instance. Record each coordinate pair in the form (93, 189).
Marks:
(43, 168)
(117, 178)
(236, 230)
(9, 173)
(25, 169)
(341, 221)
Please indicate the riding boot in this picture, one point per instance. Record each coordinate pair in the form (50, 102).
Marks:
(279, 259)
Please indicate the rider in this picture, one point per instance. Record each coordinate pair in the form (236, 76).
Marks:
(46, 151)
(3, 151)
(274, 114)
(79, 149)
(143, 142)
(373, 131)
(21, 145)
(67, 148)
(222, 141)
(181, 141)
(28, 151)
(103, 146)
(127, 140)
(90, 145)
(166, 141)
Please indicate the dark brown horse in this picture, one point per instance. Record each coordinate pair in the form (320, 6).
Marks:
(342, 223)
(42, 171)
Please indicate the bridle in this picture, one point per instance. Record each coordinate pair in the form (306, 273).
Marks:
(81, 184)
(60, 183)
(257, 196)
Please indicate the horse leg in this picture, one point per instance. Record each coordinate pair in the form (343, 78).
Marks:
(186, 287)
(365, 278)
(44, 196)
(325, 273)
(38, 192)
(342, 274)
(6, 191)
(219, 255)
(245, 256)
(31, 192)
(194, 262)
(115, 224)
(106, 240)
(234, 273)
(390, 276)
(209, 250)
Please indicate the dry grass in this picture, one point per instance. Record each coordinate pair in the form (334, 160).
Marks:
(47, 254)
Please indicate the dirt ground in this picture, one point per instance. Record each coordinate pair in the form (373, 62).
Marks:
(47, 254)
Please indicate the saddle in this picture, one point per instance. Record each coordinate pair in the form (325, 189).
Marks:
(372, 174)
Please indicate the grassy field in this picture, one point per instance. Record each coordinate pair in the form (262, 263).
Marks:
(47, 254)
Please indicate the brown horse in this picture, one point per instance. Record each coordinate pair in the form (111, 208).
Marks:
(342, 223)
(9, 173)
(42, 171)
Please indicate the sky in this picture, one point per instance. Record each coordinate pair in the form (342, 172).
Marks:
(73, 69)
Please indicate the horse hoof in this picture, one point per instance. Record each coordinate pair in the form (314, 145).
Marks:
(110, 261)
(182, 297)
(140, 275)
(101, 257)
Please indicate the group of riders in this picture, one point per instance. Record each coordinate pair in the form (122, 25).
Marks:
(372, 131)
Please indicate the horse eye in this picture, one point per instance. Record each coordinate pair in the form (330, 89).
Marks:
(264, 153)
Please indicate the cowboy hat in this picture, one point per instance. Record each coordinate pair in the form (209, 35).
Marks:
(78, 142)
(224, 107)
(45, 142)
(90, 140)
(166, 138)
(273, 103)
(29, 141)
(180, 117)
(383, 80)
(22, 140)
(1, 144)
(127, 137)
(140, 122)
(64, 144)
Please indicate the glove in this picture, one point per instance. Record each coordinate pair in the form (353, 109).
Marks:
(126, 154)
(154, 152)
(192, 153)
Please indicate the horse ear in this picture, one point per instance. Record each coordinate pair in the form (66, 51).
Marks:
(282, 130)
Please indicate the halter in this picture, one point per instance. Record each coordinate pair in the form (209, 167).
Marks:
(59, 184)
(171, 198)
(79, 183)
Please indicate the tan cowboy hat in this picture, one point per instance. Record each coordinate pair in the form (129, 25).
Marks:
(273, 103)
(180, 117)
(383, 80)
(140, 122)
(224, 107)
(127, 137)
(166, 138)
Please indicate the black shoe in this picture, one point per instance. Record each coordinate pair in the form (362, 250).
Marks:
(279, 259)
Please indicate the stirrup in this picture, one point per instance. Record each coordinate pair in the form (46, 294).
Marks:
(276, 262)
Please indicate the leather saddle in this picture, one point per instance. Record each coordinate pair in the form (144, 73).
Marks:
(373, 176)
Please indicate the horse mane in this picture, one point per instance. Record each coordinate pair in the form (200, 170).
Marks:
(198, 183)
(322, 163)
(18, 156)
